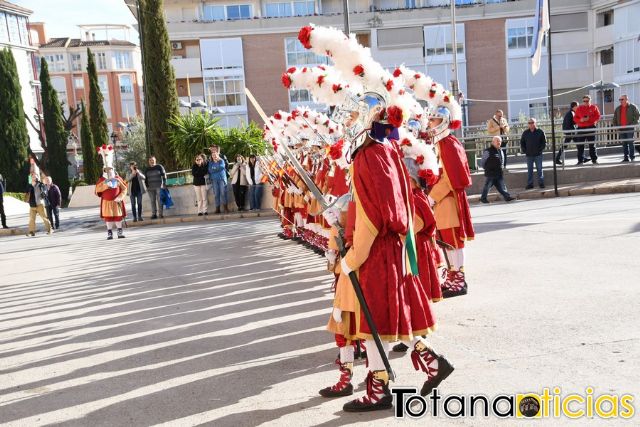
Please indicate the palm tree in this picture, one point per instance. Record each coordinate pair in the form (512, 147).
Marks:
(192, 134)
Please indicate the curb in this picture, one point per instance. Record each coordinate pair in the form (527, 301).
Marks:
(566, 191)
(195, 218)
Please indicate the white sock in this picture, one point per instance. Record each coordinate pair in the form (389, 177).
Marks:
(118, 224)
(346, 354)
(109, 225)
(374, 357)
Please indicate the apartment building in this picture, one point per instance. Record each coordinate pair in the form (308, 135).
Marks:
(14, 34)
(220, 46)
(117, 61)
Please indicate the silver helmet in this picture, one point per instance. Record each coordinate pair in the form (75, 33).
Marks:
(440, 130)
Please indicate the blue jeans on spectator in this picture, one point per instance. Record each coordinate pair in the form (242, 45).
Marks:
(498, 182)
(255, 196)
(626, 138)
(136, 205)
(219, 192)
(538, 161)
(54, 216)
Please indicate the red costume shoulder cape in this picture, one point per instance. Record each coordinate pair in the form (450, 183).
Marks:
(399, 304)
(455, 164)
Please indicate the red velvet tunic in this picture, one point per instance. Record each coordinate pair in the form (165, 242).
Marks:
(399, 304)
(110, 209)
(456, 168)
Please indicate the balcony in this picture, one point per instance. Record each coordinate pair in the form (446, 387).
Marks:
(187, 67)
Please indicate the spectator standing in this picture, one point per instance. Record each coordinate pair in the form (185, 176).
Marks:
(626, 114)
(136, 188)
(499, 126)
(36, 195)
(155, 179)
(55, 199)
(3, 217)
(533, 143)
(586, 118)
(256, 186)
(492, 163)
(568, 128)
(239, 181)
(216, 147)
(199, 171)
(217, 169)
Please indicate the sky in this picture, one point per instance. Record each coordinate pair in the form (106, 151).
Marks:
(63, 16)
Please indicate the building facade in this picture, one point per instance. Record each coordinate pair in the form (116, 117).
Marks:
(119, 73)
(219, 46)
(14, 34)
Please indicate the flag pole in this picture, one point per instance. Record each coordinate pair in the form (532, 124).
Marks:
(551, 106)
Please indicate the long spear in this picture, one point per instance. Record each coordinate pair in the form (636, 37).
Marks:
(343, 252)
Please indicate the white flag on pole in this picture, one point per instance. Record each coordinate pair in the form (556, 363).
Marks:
(542, 26)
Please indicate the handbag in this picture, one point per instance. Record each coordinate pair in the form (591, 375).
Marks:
(165, 198)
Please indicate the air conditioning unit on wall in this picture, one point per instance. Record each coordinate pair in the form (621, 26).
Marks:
(176, 45)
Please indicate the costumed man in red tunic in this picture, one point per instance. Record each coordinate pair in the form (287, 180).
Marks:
(449, 200)
(112, 190)
(399, 305)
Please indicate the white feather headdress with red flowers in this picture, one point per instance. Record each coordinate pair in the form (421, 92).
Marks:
(107, 154)
(358, 68)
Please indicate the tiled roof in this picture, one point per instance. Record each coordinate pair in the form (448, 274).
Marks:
(5, 5)
(69, 42)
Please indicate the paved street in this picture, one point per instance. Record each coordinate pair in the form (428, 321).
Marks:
(222, 323)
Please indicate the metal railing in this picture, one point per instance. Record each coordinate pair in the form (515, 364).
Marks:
(606, 135)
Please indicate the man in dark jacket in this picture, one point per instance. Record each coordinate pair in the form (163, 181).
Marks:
(568, 128)
(492, 163)
(55, 199)
(626, 114)
(3, 217)
(533, 143)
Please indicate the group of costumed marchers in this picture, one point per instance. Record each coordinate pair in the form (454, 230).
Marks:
(384, 159)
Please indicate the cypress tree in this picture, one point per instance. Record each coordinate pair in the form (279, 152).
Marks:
(97, 116)
(14, 138)
(161, 96)
(89, 158)
(57, 162)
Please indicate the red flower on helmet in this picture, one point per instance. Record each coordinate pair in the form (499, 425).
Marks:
(304, 70)
(397, 73)
(416, 76)
(286, 80)
(291, 70)
(389, 85)
(305, 36)
(305, 114)
(331, 131)
(277, 116)
(429, 176)
(394, 116)
(446, 98)
(405, 142)
(326, 123)
(110, 147)
(425, 136)
(336, 88)
(401, 92)
(320, 80)
(295, 113)
(420, 159)
(455, 124)
(358, 70)
(335, 151)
